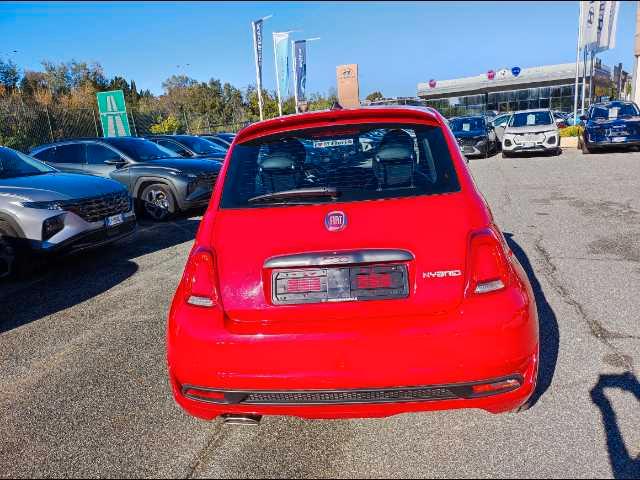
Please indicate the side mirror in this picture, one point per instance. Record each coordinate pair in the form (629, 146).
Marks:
(117, 163)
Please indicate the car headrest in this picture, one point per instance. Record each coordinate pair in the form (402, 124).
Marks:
(277, 161)
(395, 145)
(287, 153)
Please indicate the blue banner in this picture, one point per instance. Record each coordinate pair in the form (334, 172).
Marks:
(300, 55)
(281, 48)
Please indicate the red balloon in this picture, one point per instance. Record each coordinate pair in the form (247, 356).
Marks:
(491, 74)
(432, 83)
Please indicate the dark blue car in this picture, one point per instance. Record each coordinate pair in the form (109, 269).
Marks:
(474, 134)
(611, 124)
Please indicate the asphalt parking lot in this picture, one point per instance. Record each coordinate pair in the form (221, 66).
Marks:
(84, 392)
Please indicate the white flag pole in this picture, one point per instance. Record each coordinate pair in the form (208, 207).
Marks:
(275, 63)
(295, 76)
(584, 77)
(575, 97)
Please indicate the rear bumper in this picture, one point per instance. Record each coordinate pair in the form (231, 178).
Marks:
(489, 338)
(607, 143)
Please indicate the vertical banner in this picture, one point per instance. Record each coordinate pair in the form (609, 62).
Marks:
(281, 52)
(589, 27)
(300, 66)
(598, 26)
(607, 21)
(257, 47)
(113, 114)
(348, 87)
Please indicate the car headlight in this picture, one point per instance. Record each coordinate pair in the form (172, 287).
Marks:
(55, 205)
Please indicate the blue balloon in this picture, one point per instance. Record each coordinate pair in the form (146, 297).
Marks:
(515, 71)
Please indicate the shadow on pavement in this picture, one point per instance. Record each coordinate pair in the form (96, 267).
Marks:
(69, 280)
(517, 155)
(549, 332)
(622, 464)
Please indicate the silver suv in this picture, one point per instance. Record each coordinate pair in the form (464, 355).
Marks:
(43, 210)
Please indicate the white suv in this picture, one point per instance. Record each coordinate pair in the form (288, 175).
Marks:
(531, 131)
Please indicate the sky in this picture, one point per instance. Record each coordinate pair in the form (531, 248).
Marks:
(395, 44)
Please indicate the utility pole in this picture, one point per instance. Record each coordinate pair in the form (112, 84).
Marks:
(635, 95)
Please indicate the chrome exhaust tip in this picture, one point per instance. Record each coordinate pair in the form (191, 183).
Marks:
(244, 420)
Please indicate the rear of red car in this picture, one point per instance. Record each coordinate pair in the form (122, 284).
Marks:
(348, 267)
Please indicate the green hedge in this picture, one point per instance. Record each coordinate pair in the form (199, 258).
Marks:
(574, 131)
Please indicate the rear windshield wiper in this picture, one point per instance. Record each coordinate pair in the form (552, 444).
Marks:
(302, 193)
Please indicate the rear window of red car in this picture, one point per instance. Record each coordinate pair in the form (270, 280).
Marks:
(339, 164)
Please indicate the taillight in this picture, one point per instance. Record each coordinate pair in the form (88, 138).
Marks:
(200, 279)
(488, 268)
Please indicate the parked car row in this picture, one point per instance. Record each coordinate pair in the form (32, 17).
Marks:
(609, 124)
(78, 194)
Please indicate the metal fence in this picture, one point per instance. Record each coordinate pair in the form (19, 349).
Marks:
(24, 127)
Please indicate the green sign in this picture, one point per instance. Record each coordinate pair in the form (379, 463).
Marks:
(113, 114)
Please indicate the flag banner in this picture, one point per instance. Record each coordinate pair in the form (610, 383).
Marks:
(607, 26)
(589, 27)
(599, 22)
(281, 49)
(300, 55)
(257, 43)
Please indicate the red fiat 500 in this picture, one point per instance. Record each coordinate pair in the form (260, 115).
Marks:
(348, 267)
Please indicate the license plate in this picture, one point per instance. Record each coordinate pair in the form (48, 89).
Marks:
(114, 220)
(528, 144)
(339, 284)
(468, 150)
(619, 139)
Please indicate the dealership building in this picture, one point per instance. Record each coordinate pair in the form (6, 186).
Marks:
(505, 90)
(548, 86)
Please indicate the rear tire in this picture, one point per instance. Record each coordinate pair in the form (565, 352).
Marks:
(505, 154)
(157, 202)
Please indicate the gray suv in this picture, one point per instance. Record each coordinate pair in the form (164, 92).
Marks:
(43, 210)
(161, 182)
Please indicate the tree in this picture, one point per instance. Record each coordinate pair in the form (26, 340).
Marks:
(373, 96)
(9, 75)
(169, 125)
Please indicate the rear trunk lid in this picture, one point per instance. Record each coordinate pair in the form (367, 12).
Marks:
(432, 229)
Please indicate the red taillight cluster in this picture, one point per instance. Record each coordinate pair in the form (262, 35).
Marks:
(488, 268)
(200, 279)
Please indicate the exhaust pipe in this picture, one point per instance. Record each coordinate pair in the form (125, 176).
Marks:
(239, 419)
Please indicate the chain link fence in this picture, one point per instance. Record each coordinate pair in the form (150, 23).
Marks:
(24, 127)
